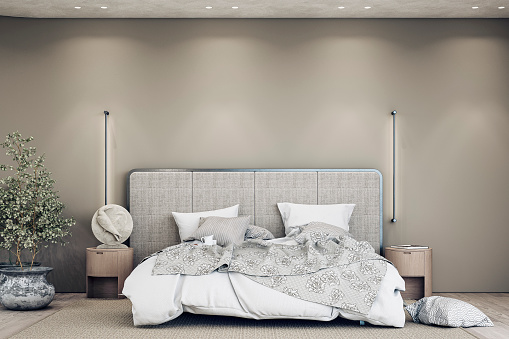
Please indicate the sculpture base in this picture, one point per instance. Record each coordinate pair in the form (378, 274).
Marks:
(105, 246)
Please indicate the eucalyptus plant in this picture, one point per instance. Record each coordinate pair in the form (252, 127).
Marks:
(30, 212)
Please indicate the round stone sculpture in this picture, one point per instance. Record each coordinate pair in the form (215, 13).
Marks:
(112, 225)
(25, 289)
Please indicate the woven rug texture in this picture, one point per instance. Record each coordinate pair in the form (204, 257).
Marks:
(107, 318)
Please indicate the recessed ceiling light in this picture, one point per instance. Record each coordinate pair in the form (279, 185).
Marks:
(104, 7)
(501, 7)
(235, 7)
(341, 7)
(475, 7)
(208, 7)
(77, 7)
(367, 7)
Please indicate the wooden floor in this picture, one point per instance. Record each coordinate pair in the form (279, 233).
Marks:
(495, 305)
(12, 322)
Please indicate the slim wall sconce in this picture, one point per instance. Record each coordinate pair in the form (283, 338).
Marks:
(393, 166)
(111, 224)
(106, 113)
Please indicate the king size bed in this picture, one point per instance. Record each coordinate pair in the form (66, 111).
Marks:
(308, 249)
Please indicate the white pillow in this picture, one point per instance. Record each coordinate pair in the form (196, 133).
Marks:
(188, 223)
(295, 215)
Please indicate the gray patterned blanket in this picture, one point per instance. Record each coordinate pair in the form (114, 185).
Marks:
(329, 268)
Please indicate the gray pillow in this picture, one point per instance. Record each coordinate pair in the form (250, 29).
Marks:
(257, 232)
(447, 312)
(225, 230)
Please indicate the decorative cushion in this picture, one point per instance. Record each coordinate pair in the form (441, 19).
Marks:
(316, 231)
(256, 232)
(225, 230)
(447, 312)
(295, 215)
(188, 223)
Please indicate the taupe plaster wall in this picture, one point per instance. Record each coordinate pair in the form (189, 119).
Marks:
(277, 94)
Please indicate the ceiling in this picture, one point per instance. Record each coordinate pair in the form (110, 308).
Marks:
(255, 8)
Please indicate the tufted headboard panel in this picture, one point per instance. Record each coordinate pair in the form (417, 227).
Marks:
(154, 193)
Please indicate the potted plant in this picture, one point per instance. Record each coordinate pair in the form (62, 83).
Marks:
(30, 219)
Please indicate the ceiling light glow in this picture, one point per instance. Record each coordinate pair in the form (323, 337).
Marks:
(341, 7)
(501, 7)
(235, 7)
(367, 7)
(77, 7)
(208, 7)
(475, 7)
(104, 7)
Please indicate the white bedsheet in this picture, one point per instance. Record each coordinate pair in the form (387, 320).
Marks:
(160, 298)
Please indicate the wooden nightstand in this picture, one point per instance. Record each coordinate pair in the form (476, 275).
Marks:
(415, 268)
(107, 270)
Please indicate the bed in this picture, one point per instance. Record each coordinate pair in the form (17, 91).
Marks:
(153, 194)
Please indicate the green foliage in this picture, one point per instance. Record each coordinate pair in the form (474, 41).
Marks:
(30, 212)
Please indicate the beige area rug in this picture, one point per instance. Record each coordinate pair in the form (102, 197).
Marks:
(106, 318)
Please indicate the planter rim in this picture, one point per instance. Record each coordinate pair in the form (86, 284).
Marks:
(25, 263)
(26, 270)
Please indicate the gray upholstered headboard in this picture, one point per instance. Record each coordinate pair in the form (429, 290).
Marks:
(154, 193)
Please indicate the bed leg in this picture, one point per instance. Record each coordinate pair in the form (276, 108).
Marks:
(362, 322)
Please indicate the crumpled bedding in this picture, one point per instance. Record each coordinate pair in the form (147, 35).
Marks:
(157, 299)
(327, 269)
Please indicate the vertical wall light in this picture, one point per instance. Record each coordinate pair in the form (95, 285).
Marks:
(106, 113)
(393, 166)
(111, 224)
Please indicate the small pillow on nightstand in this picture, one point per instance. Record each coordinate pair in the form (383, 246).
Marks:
(447, 312)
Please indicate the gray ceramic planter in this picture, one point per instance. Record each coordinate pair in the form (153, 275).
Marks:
(25, 289)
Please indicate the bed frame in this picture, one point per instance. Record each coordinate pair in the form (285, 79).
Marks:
(152, 194)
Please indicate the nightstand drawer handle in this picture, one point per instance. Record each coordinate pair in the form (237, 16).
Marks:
(99, 252)
(407, 252)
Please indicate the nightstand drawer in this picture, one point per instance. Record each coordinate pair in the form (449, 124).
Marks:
(102, 263)
(408, 263)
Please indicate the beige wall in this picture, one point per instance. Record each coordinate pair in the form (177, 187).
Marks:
(277, 94)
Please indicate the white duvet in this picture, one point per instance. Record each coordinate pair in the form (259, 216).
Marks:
(157, 299)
